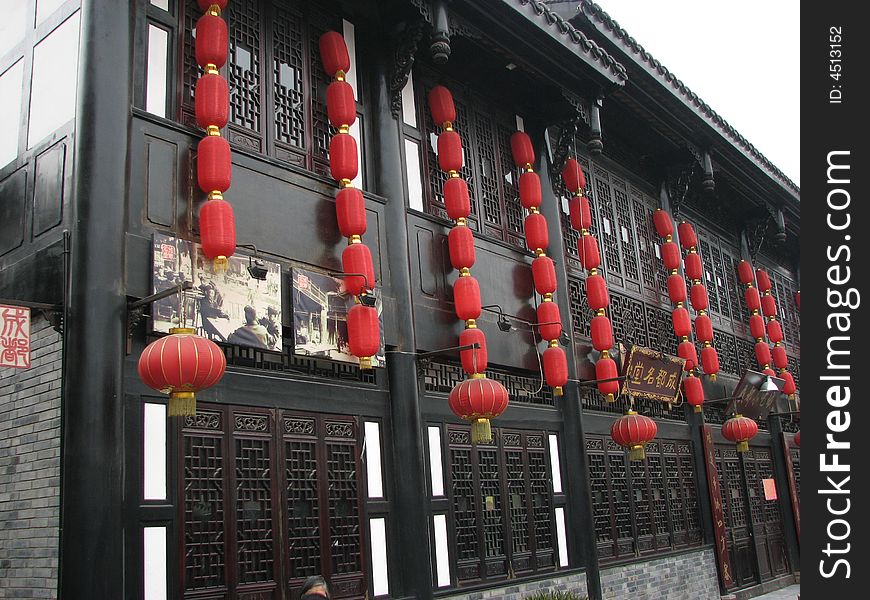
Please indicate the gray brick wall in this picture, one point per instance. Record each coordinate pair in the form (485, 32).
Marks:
(575, 582)
(689, 576)
(30, 469)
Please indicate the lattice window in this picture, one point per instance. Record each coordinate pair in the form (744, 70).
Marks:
(653, 272)
(657, 497)
(255, 551)
(661, 333)
(642, 513)
(464, 503)
(288, 79)
(601, 202)
(726, 348)
(443, 377)
(629, 320)
(516, 498)
(303, 508)
(705, 250)
(735, 490)
(674, 486)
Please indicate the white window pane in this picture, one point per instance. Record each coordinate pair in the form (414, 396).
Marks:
(164, 4)
(10, 108)
(560, 535)
(55, 71)
(45, 8)
(350, 41)
(436, 467)
(442, 555)
(521, 126)
(412, 173)
(409, 104)
(154, 451)
(378, 537)
(373, 460)
(154, 562)
(155, 84)
(13, 25)
(555, 469)
(355, 134)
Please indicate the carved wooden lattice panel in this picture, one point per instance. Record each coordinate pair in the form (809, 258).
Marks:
(653, 272)
(660, 512)
(517, 497)
(661, 333)
(601, 202)
(705, 250)
(629, 320)
(344, 518)
(443, 377)
(244, 73)
(288, 77)
(255, 550)
(626, 230)
(541, 501)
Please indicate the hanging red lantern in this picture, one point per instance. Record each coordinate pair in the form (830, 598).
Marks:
(181, 364)
(343, 158)
(596, 292)
(703, 328)
(205, 5)
(797, 439)
(466, 295)
(769, 371)
(333, 54)
(572, 175)
(211, 41)
(364, 334)
(693, 390)
(762, 353)
(740, 430)
(634, 431)
(479, 400)
(441, 105)
(537, 233)
(671, 256)
(780, 360)
(744, 272)
(212, 101)
(768, 306)
(688, 239)
(789, 388)
(763, 279)
(213, 164)
(698, 296)
(682, 322)
(710, 361)
(456, 198)
(774, 330)
(555, 368)
(521, 149)
(530, 190)
(544, 275)
(340, 104)
(602, 333)
(605, 372)
(580, 213)
(217, 227)
(549, 320)
(357, 264)
(676, 288)
(694, 267)
(474, 360)
(663, 223)
(756, 327)
(450, 156)
(460, 243)
(797, 299)
(688, 352)
(753, 300)
(351, 212)
(587, 248)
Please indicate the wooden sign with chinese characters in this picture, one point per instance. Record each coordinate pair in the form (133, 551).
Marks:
(14, 337)
(724, 561)
(653, 375)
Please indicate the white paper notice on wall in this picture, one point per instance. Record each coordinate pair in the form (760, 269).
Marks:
(14, 336)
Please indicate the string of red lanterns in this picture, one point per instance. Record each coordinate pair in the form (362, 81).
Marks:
(543, 269)
(774, 332)
(363, 328)
(757, 326)
(693, 390)
(217, 226)
(476, 399)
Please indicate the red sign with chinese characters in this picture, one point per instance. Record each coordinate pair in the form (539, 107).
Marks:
(14, 337)
(725, 573)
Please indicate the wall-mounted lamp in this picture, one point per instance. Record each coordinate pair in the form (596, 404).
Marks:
(256, 266)
(364, 299)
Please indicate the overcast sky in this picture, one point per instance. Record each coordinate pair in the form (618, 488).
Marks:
(741, 57)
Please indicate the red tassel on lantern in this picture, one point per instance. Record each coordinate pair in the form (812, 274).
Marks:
(580, 213)
(340, 104)
(740, 429)
(474, 360)
(521, 149)
(343, 157)
(663, 223)
(549, 321)
(703, 328)
(780, 359)
(596, 292)
(456, 198)
(217, 227)
(441, 105)
(212, 101)
(213, 164)
(763, 279)
(333, 53)
(694, 392)
(530, 190)
(460, 243)
(676, 288)
(357, 258)
(699, 297)
(744, 272)
(768, 306)
(364, 334)
(671, 255)
(753, 300)
(602, 333)
(466, 295)
(694, 268)
(449, 151)
(544, 275)
(572, 175)
(537, 233)
(587, 248)
(633, 431)
(710, 361)
(774, 330)
(762, 353)
(555, 368)
(605, 368)
(682, 322)
(211, 42)
(688, 239)
(351, 212)
(756, 326)
(688, 352)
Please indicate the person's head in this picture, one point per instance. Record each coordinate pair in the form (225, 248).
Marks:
(250, 315)
(314, 588)
(272, 313)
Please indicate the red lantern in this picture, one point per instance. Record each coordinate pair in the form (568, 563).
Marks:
(699, 297)
(555, 368)
(774, 330)
(205, 5)
(549, 321)
(694, 392)
(596, 292)
(211, 41)
(605, 369)
(450, 151)
(688, 239)
(343, 162)
(544, 275)
(364, 334)
(634, 431)
(441, 105)
(744, 272)
(537, 233)
(797, 299)
(797, 439)
(479, 400)
(682, 322)
(587, 248)
(572, 175)
(212, 101)
(466, 295)
(333, 53)
(789, 388)
(474, 360)
(769, 371)
(763, 279)
(580, 212)
(663, 223)
(460, 243)
(694, 268)
(602, 333)
(357, 258)
(756, 326)
(710, 361)
(213, 164)
(768, 306)
(521, 149)
(780, 360)
(762, 353)
(530, 190)
(688, 352)
(703, 328)
(351, 212)
(671, 255)
(753, 300)
(740, 430)
(676, 288)
(217, 229)
(456, 198)
(340, 104)
(180, 365)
